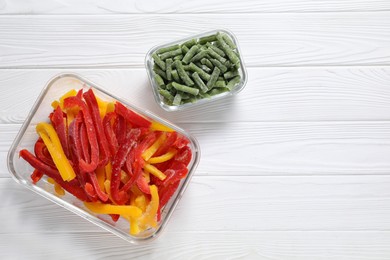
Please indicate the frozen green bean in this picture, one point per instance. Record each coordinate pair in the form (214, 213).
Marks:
(229, 41)
(184, 88)
(166, 94)
(216, 55)
(190, 54)
(199, 82)
(200, 55)
(220, 84)
(216, 49)
(184, 49)
(158, 61)
(160, 72)
(170, 54)
(182, 74)
(205, 39)
(175, 75)
(178, 57)
(168, 70)
(233, 82)
(190, 43)
(207, 62)
(213, 78)
(169, 48)
(169, 86)
(216, 91)
(231, 74)
(218, 64)
(204, 67)
(201, 72)
(159, 80)
(229, 52)
(177, 100)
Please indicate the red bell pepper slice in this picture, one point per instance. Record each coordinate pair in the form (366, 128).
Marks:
(143, 184)
(71, 186)
(169, 141)
(109, 132)
(117, 164)
(120, 128)
(84, 143)
(57, 120)
(130, 116)
(42, 153)
(181, 142)
(102, 195)
(92, 139)
(92, 104)
(165, 195)
(184, 155)
(90, 191)
(36, 176)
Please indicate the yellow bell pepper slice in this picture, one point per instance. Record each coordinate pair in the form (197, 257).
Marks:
(149, 217)
(110, 107)
(102, 106)
(163, 158)
(156, 126)
(57, 188)
(100, 208)
(50, 138)
(148, 153)
(156, 172)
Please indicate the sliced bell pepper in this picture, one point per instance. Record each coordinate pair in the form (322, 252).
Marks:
(132, 117)
(154, 147)
(101, 208)
(149, 218)
(42, 154)
(110, 134)
(163, 158)
(58, 122)
(156, 126)
(36, 176)
(153, 170)
(53, 144)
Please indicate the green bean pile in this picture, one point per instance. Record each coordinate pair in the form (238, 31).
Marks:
(196, 69)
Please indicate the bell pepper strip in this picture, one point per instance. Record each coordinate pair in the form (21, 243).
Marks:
(156, 126)
(164, 148)
(117, 164)
(153, 170)
(84, 143)
(99, 192)
(109, 132)
(146, 155)
(101, 176)
(92, 104)
(60, 102)
(71, 186)
(181, 142)
(53, 144)
(92, 139)
(163, 158)
(150, 216)
(101, 208)
(120, 128)
(165, 194)
(102, 106)
(143, 185)
(184, 155)
(58, 122)
(132, 117)
(89, 189)
(57, 188)
(42, 154)
(36, 176)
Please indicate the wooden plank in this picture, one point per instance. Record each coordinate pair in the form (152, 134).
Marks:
(266, 40)
(185, 7)
(269, 149)
(232, 203)
(272, 94)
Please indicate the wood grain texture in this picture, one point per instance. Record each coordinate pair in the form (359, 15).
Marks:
(185, 7)
(271, 94)
(269, 149)
(313, 39)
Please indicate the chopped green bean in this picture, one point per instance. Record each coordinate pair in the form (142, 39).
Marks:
(177, 100)
(216, 49)
(169, 86)
(198, 81)
(200, 55)
(204, 67)
(169, 48)
(228, 64)
(168, 70)
(190, 54)
(190, 43)
(210, 38)
(159, 80)
(166, 94)
(175, 76)
(229, 52)
(218, 64)
(178, 57)
(213, 78)
(159, 71)
(216, 91)
(158, 61)
(170, 54)
(231, 74)
(207, 62)
(216, 55)
(182, 74)
(184, 49)
(184, 88)
(201, 72)
(184, 95)
(228, 41)
(233, 82)
(220, 84)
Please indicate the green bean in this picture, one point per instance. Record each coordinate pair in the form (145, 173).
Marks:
(182, 74)
(213, 78)
(175, 76)
(190, 54)
(184, 95)
(186, 67)
(190, 43)
(158, 61)
(177, 100)
(169, 86)
(198, 81)
(184, 49)
(229, 52)
(170, 54)
(184, 88)
(218, 64)
(207, 62)
(220, 84)
(216, 49)
(166, 94)
(210, 38)
(228, 64)
(229, 41)
(168, 70)
(169, 48)
(233, 82)
(159, 80)
(216, 91)
(204, 67)
(200, 55)
(201, 72)
(216, 55)
(159, 71)
(204, 95)
(231, 74)
(178, 57)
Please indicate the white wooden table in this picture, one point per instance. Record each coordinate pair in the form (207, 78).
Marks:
(297, 166)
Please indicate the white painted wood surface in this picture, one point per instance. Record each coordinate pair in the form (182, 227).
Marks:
(294, 167)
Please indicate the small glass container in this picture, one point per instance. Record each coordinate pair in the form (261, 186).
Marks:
(149, 62)
(27, 136)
